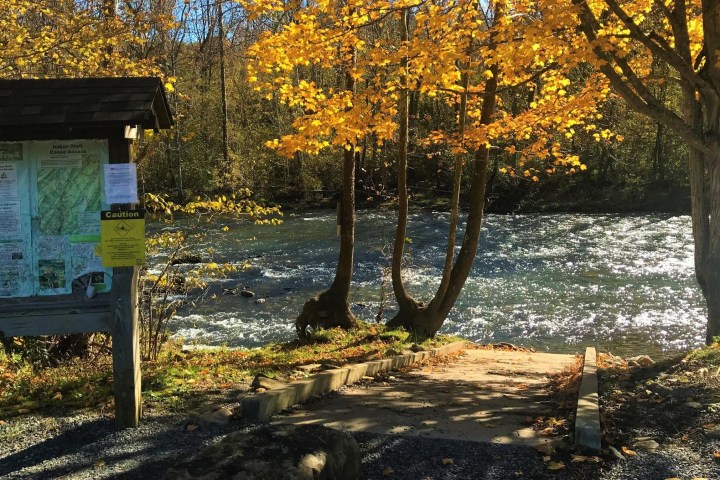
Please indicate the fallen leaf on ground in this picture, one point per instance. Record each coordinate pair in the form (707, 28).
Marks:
(547, 458)
(448, 461)
(578, 458)
(717, 454)
(99, 463)
(58, 396)
(388, 471)
(556, 465)
(191, 427)
(628, 452)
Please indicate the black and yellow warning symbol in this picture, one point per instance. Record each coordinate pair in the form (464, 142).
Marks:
(122, 238)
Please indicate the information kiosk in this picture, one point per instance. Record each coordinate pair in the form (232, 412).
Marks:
(69, 233)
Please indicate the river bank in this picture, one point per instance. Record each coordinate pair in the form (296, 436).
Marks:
(79, 445)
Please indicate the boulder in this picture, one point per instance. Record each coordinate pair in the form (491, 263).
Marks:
(275, 452)
(211, 415)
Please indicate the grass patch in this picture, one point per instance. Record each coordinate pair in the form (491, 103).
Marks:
(183, 379)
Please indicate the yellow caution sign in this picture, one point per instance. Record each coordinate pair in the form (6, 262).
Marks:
(122, 238)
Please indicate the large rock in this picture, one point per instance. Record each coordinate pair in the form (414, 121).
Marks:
(275, 452)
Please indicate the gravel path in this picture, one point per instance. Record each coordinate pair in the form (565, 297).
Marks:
(88, 447)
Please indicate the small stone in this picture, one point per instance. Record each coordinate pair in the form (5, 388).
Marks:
(261, 381)
(616, 453)
(391, 352)
(310, 368)
(186, 258)
(259, 301)
(416, 348)
(641, 360)
(648, 445)
(247, 293)
(660, 389)
(366, 378)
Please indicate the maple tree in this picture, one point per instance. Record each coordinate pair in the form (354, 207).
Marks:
(495, 49)
(313, 64)
(69, 38)
(624, 40)
(463, 53)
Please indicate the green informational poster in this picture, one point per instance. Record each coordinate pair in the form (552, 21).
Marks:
(51, 195)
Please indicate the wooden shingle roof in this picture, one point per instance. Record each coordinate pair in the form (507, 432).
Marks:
(84, 102)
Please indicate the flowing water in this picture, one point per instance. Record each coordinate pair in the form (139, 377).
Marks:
(553, 282)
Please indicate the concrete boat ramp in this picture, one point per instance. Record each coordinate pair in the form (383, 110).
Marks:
(472, 395)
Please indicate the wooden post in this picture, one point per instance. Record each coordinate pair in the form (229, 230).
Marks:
(125, 347)
(125, 329)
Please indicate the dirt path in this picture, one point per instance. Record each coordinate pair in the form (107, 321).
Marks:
(480, 396)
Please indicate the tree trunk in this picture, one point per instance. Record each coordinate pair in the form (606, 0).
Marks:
(711, 99)
(331, 308)
(407, 305)
(709, 274)
(227, 168)
(425, 321)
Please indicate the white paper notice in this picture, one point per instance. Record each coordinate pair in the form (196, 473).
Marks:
(10, 225)
(121, 183)
(8, 181)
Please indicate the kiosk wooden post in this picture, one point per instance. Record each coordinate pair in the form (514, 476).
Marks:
(72, 111)
(126, 347)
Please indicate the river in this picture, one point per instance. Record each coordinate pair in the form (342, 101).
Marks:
(553, 282)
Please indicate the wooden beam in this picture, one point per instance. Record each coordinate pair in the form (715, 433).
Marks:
(126, 348)
(54, 324)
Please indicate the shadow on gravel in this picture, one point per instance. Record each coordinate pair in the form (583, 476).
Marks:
(96, 450)
(413, 458)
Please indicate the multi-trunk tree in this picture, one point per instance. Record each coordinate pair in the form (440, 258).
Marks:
(486, 49)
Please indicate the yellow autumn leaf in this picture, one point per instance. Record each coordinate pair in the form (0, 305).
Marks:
(628, 452)
(558, 465)
(448, 461)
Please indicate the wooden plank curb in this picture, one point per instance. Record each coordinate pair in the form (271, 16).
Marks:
(587, 419)
(263, 405)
